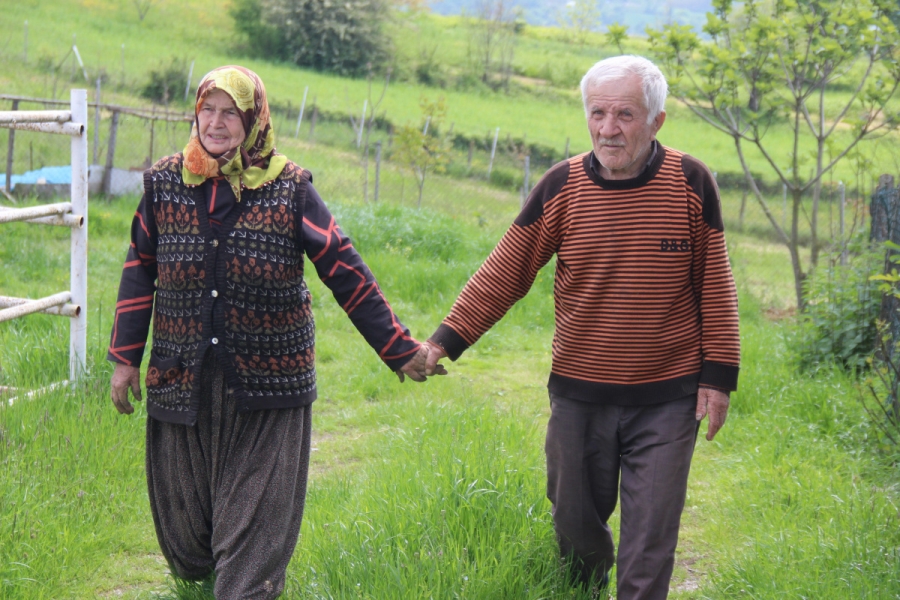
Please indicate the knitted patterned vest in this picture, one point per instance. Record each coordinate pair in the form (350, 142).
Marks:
(240, 294)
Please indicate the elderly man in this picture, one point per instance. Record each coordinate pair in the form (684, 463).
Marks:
(646, 342)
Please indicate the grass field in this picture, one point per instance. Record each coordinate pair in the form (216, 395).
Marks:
(545, 106)
(436, 490)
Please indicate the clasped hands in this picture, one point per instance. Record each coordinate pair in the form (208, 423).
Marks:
(424, 363)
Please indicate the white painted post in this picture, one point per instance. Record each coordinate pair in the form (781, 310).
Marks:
(11, 146)
(362, 122)
(72, 123)
(427, 123)
(25, 46)
(493, 151)
(526, 184)
(187, 88)
(96, 149)
(377, 167)
(80, 63)
(300, 116)
(842, 208)
(78, 265)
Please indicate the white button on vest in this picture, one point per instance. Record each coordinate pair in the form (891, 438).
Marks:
(214, 294)
(215, 243)
(215, 340)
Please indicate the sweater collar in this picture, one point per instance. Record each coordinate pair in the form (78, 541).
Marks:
(651, 168)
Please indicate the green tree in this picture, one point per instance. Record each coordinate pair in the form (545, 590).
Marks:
(492, 41)
(340, 37)
(261, 38)
(580, 17)
(422, 149)
(824, 69)
(616, 33)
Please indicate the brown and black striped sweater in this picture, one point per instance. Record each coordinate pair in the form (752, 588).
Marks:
(646, 308)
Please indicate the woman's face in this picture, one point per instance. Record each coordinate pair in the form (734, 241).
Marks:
(219, 123)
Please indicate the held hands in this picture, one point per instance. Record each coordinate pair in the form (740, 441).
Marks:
(125, 377)
(715, 404)
(424, 363)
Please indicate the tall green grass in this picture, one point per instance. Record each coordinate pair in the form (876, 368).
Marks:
(434, 490)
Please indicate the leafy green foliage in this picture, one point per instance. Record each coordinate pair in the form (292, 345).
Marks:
(839, 324)
(261, 38)
(345, 37)
(421, 150)
(166, 83)
(779, 64)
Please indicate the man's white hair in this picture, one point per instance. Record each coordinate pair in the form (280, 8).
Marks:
(617, 68)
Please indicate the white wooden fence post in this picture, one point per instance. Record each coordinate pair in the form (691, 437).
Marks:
(187, 88)
(526, 183)
(300, 116)
(377, 167)
(78, 265)
(493, 151)
(72, 214)
(96, 154)
(842, 208)
(362, 122)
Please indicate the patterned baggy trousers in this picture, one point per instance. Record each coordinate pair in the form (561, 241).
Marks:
(227, 494)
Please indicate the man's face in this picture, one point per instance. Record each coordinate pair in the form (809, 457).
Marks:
(219, 124)
(617, 120)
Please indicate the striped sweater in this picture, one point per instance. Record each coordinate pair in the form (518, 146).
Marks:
(646, 308)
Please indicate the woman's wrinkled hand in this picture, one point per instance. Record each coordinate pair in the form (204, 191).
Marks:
(422, 364)
(123, 378)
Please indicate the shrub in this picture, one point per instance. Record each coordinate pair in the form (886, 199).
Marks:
(166, 83)
(261, 39)
(839, 325)
(344, 37)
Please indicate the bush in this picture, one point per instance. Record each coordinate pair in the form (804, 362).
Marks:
(344, 37)
(262, 39)
(166, 83)
(839, 325)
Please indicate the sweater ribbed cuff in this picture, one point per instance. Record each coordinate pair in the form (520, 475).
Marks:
(718, 375)
(452, 343)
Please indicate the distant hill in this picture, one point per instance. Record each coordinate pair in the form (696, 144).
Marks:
(637, 14)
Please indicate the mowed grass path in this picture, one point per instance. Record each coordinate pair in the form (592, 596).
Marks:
(434, 490)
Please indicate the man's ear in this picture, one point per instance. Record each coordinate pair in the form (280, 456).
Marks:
(658, 122)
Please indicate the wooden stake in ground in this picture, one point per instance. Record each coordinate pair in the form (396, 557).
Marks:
(10, 151)
(110, 152)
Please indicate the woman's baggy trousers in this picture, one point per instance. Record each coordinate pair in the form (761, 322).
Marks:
(227, 494)
(588, 446)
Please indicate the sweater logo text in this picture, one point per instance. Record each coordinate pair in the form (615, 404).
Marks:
(674, 246)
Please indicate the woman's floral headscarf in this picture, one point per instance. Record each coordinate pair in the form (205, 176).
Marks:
(253, 163)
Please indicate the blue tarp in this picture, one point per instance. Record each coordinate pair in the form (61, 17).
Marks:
(48, 174)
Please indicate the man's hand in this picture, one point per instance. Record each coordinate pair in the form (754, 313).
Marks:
(715, 404)
(125, 377)
(435, 353)
(417, 368)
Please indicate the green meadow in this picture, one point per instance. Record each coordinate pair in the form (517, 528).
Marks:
(433, 490)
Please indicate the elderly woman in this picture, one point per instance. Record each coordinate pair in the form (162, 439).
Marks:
(216, 259)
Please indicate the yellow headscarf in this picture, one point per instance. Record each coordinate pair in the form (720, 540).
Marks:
(254, 163)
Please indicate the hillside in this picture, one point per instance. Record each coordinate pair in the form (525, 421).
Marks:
(540, 106)
(636, 14)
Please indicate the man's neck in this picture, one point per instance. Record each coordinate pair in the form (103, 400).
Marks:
(641, 164)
